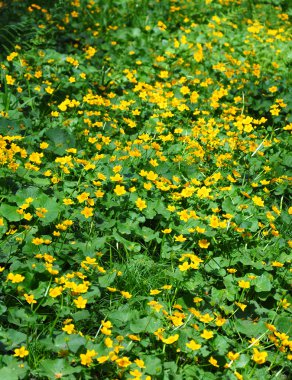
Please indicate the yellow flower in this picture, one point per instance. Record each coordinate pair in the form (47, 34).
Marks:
(44, 145)
(244, 284)
(203, 192)
(11, 56)
(254, 342)
(203, 243)
(259, 357)
(166, 231)
(83, 197)
(123, 362)
(140, 363)
(86, 359)
(49, 90)
(134, 337)
(116, 178)
(36, 157)
(258, 201)
(233, 356)
(102, 359)
(213, 362)
(29, 298)
(231, 270)
(137, 374)
(180, 238)
(166, 287)
(126, 294)
(9, 79)
(207, 334)
(68, 328)
(284, 303)
(242, 306)
(99, 194)
(171, 339)
(155, 305)
(55, 292)
(193, 345)
(120, 190)
(87, 212)
(106, 330)
(140, 204)
(238, 375)
(80, 302)
(68, 201)
(273, 89)
(154, 292)
(15, 278)
(220, 320)
(206, 318)
(111, 289)
(21, 352)
(277, 264)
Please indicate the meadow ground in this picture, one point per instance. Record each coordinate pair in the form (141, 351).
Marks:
(144, 180)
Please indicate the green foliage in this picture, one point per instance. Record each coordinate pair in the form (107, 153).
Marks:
(144, 178)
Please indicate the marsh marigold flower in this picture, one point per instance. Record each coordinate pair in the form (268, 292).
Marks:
(140, 204)
(258, 201)
(207, 334)
(171, 339)
(203, 243)
(86, 359)
(120, 190)
(80, 302)
(87, 212)
(123, 362)
(21, 352)
(69, 329)
(15, 278)
(55, 292)
(259, 357)
(213, 362)
(29, 298)
(244, 284)
(126, 294)
(193, 345)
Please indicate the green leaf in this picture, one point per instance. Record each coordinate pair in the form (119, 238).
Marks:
(147, 324)
(153, 365)
(107, 280)
(249, 328)
(242, 361)
(221, 345)
(51, 368)
(81, 315)
(29, 192)
(263, 283)
(12, 371)
(61, 140)
(75, 342)
(216, 266)
(230, 287)
(284, 324)
(129, 245)
(49, 204)
(123, 315)
(9, 212)
(15, 337)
